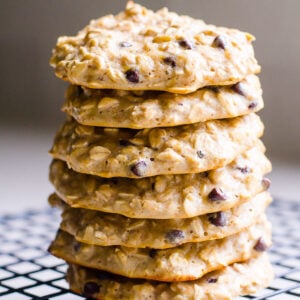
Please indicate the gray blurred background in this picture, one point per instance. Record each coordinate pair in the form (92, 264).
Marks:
(31, 96)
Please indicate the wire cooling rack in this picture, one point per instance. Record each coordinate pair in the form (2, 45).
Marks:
(27, 271)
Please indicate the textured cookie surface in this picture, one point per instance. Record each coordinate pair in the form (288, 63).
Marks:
(148, 109)
(141, 50)
(226, 284)
(186, 262)
(165, 196)
(112, 152)
(104, 229)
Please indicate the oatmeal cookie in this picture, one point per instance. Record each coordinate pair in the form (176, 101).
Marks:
(225, 284)
(103, 229)
(148, 109)
(113, 152)
(139, 49)
(165, 196)
(186, 262)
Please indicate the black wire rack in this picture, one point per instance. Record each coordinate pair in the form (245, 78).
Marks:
(27, 271)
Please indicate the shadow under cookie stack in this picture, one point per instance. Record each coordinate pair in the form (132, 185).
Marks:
(159, 169)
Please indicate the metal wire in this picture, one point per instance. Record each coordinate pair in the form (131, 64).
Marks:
(27, 271)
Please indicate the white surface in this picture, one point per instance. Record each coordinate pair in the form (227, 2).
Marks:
(285, 180)
(24, 165)
(24, 172)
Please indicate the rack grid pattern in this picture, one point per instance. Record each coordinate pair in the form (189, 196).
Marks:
(27, 271)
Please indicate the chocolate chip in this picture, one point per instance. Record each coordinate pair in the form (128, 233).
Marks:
(90, 289)
(220, 42)
(216, 194)
(212, 280)
(238, 88)
(132, 75)
(185, 44)
(124, 143)
(213, 88)
(115, 181)
(252, 105)
(244, 170)
(98, 130)
(152, 253)
(204, 174)
(200, 154)
(217, 219)
(171, 61)
(125, 44)
(76, 246)
(139, 168)
(102, 275)
(266, 183)
(79, 91)
(174, 236)
(260, 245)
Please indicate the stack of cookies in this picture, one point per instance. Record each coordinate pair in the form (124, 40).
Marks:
(158, 168)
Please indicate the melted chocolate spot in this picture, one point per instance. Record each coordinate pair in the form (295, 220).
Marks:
(216, 194)
(217, 219)
(90, 289)
(139, 168)
(238, 88)
(220, 42)
(185, 44)
(171, 61)
(132, 75)
(260, 245)
(174, 236)
(200, 154)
